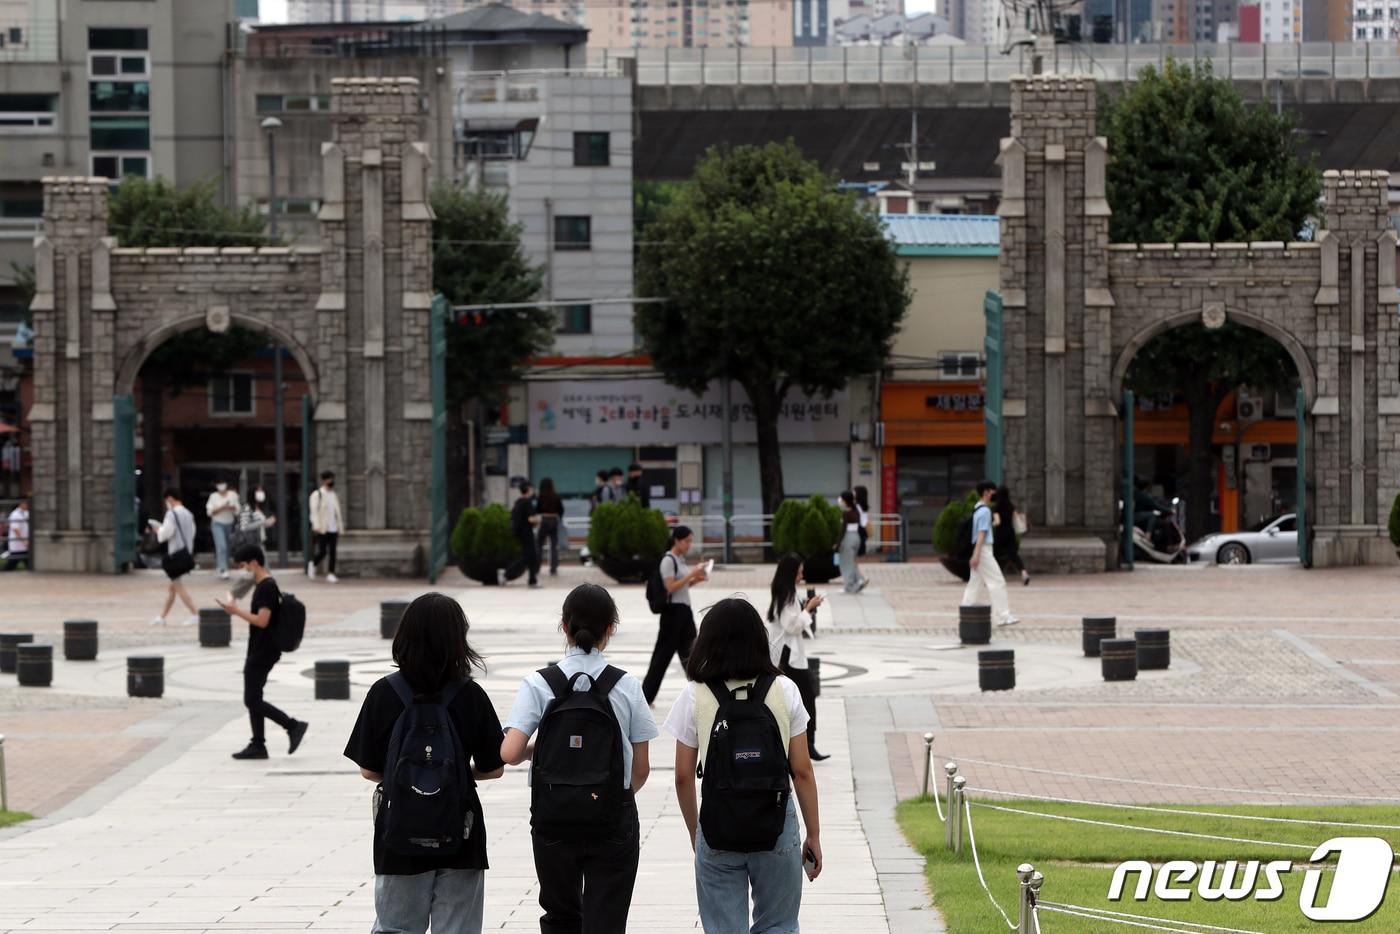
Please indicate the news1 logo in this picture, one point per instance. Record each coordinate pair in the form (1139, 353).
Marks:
(1358, 882)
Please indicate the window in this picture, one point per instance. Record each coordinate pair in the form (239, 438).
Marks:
(119, 96)
(293, 207)
(573, 233)
(231, 394)
(292, 103)
(16, 35)
(959, 364)
(21, 199)
(118, 39)
(105, 65)
(120, 133)
(117, 166)
(575, 319)
(591, 149)
(27, 113)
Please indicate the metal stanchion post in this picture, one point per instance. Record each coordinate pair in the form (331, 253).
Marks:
(1025, 872)
(950, 770)
(956, 806)
(1037, 880)
(928, 760)
(4, 789)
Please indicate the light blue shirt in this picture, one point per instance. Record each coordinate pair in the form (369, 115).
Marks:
(982, 522)
(633, 713)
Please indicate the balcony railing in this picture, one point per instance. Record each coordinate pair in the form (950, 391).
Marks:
(27, 122)
(977, 64)
(20, 228)
(509, 87)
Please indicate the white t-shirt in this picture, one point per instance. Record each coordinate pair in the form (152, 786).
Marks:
(218, 501)
(19, 531)
(673, 566)
(693, 714)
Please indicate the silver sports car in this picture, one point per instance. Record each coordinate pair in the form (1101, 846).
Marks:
(1274, 541)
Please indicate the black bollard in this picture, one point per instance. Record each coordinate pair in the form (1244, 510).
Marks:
(215, 628)
(1096, 629)
(390, 612)
(34, 664)
(333, 680)
(814, 672)
(1119, 659)
(975, 625)
(145, 675)
(8, 641)
(80, 640)
(1154, 649)
(996, 669)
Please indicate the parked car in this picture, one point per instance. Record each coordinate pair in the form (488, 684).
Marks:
(1274, 541)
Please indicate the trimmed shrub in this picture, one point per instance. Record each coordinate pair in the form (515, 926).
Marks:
(1394, 525)
(484, 535)
(786, 522)
(812, 527)
(945, 528)
(626, 529)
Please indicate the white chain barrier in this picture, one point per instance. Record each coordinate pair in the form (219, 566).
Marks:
(1173, 833)
(1123, 917)
(977, 863)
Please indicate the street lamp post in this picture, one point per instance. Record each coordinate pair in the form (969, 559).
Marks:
(270, 126)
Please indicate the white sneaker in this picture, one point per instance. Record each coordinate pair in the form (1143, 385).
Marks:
(1008, 621)
(332, 579)
(223, 575)
(500, 577)
(158, 621)
(311, 569)
(192, 621)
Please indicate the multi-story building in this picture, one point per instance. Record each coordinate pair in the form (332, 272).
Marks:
(1375, 19)
(895, 29)
(1280, 20)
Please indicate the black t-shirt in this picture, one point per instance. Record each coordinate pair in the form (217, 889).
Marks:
(520, 515)
(480, 732)
(262, 643)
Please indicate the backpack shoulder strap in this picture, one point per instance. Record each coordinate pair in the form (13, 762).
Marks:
(720, 690)
(450, 691)
(607, 680)
(759, 691)
(400, 685)
(558, 683)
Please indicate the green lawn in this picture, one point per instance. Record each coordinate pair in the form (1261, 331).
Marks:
(1078, 861)
(13, 817)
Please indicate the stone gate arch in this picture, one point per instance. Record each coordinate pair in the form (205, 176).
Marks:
(1078, 307)
(353, 310)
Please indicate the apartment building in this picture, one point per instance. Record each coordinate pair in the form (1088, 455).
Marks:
(1375, 19)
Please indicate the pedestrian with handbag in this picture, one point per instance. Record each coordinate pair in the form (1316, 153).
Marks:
(1008, 523)
(550, 508)
(176, 532)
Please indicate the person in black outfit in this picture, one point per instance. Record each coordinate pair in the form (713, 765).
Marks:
(551, 511)
(1005, 548)
(263, 654)
(524, 517)
(431, 652)
(636, 487)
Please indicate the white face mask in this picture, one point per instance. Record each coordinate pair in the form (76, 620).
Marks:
(221, 487)
(260, 496)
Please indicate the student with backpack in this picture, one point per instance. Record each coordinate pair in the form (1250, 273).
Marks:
(590, 757)
(427, 734)
(741, 728)
(266, 634)
(668, 595)
(984, 572)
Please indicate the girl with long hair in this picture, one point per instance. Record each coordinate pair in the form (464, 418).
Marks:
(851, 577)
(676, 632)
(551, 511)
(434, 659)
(1005, 546)
(863, 507)
(788, 625)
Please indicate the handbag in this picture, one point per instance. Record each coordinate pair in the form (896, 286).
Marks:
(1019, 522)
(181, 562)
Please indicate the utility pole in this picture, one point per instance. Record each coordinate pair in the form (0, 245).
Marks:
(727, 444)
(278, 402)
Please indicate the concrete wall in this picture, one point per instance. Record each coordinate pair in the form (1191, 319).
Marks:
(946, 314)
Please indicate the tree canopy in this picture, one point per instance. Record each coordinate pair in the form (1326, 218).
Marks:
(770, 277)
(153, 212)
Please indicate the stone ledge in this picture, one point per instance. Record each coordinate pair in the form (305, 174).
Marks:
(1064, 554)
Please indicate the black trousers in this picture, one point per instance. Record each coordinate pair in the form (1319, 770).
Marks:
(549, 532)
(529, 558)
(325, 549)
(802, 677)
(255, 672)
(586, 886)
(675, 636)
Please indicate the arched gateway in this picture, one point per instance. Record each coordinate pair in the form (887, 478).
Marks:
(356, 313)
(1078, 307)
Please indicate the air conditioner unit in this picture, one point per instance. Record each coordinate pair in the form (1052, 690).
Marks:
(1248, 408)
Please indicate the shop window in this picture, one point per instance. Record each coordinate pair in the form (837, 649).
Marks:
(231, 394)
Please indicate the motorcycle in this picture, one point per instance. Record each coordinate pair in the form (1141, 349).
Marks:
(1157, 534)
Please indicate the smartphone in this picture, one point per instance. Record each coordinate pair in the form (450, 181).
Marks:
(809, 863)
(709, 567)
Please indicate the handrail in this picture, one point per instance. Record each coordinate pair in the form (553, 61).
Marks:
(747, 531)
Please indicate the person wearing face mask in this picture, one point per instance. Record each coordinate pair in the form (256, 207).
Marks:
(326, 524)
(222, 509)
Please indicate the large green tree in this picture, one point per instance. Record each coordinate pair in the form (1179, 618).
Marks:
(478, 259)
(773, 278)
(154, 213)
(1191, 162)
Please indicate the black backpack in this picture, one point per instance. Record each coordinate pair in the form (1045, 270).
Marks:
(290, 624)
(658, 598)
(576, 779)
(428, 787)
(965, 546)
(744, 787)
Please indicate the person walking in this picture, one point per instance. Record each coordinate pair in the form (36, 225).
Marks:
(176, 532)
(263, 654)
(788, 627)
(222, 509)
(852, 581)
(636, 487)
(1006, 527)
(759, 854)
(524, 517)
(586, 837)
(617, 492)
(600, 491)
(444, 889)
(17, 538)
(327, 522)
(551, 512)
(676, 632)
(863, 507)
(985, 574)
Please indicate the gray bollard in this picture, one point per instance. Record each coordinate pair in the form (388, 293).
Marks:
(80, 640)
(996, 669)
(332, 680)
(1096, 629)
(975, 625)
(1154, 649)
(8, 641)
(145, 675)
(928, 760)
(1026, 875)
(390, 612)
(950, 771)
(215, 628)
(34, 664)
(1119, 659)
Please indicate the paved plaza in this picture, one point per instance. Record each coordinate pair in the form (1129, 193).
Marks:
(1284, 688)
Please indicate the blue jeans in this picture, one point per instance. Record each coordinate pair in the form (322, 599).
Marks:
(221, 535)
(451, 898)
(723, 880)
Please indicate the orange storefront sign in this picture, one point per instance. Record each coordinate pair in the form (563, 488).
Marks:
(933, 414)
